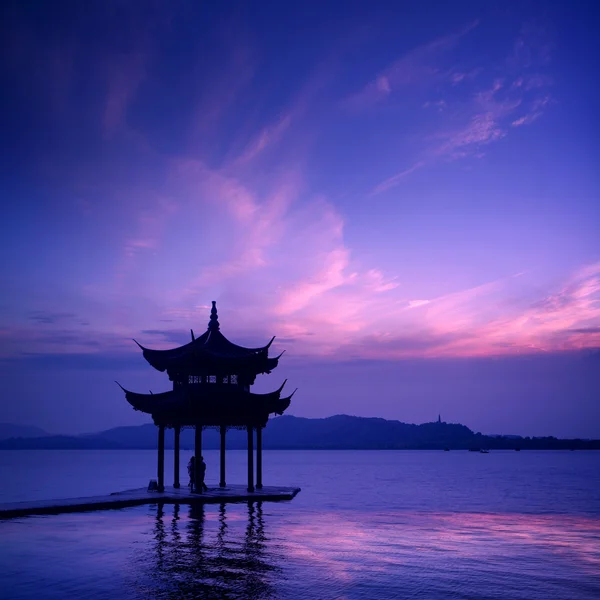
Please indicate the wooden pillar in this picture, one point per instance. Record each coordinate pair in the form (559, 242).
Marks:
(222, 462)
(250, 460)
(259, 458)
(198, 454)
(161, 458)
(176, 458)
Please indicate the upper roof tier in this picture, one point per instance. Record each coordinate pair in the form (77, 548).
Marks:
(211, 353)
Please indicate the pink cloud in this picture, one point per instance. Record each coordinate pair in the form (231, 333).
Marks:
(331, 276)
(478, 321)
(124, 79)
(417, 303)
(391, 182)
(286, 255)
(486, 119)
(270, 135)
(267, 137)
(535, 112)
(482, 129)
(417, 67)
(377, 282)
(216, 99)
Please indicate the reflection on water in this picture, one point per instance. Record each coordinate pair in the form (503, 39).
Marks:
(189, 559)
(225, 552)
(367, 525)
(470, 554)
(275, 551)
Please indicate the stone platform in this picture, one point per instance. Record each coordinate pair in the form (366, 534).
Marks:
(231, 493)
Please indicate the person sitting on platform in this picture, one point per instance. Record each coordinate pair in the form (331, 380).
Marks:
(201, 474)
(191, 467)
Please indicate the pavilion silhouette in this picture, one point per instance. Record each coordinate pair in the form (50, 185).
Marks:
(211, 388)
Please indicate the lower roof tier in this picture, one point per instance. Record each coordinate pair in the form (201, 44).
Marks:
(209, 405)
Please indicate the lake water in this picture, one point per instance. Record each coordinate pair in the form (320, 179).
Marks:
(367, 525)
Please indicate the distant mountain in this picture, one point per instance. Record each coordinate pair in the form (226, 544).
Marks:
(339, 432)
(11, 430)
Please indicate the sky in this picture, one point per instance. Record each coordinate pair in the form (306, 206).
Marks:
(405, 193)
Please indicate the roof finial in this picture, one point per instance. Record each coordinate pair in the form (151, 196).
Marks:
(213, 324)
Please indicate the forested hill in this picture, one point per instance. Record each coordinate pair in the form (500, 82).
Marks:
(339, 432)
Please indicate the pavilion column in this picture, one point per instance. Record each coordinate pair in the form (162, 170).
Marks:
(250, 460)
(259, 457)
(222, 462)
(176, 458)
(161, 458)
(198, 454)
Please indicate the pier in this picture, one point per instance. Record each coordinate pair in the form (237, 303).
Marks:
(137, 497)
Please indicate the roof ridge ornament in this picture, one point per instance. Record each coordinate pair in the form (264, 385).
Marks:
(213, 324)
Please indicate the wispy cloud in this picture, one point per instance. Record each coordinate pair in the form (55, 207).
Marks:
(535, 111)
(267, 137)
(270, 135)
(46, 317)
(466, 124)
(480, 321)
(146, 232)
(395, 179)
(417, 67)
(214, 102)
(246, 223)
(124, 77)
(331, 276)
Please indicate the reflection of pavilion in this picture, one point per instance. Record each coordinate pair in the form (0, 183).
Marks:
(192, 559)
(211, 388)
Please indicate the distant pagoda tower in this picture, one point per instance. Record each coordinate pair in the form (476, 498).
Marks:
(211, 388)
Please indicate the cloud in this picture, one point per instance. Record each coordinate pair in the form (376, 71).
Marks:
(376, 281)
(535, 111)
(46, 317)
(270, 135)
(248, 227)
(417, 303)
(550, 324)
(457, 77)
(417, 67)
(22, 340)
(125, 75)
(485, 320)
(216, 100)
(464, 125)
(439, 105)
(482, 129)
(395, 179)
(332, 275)
(267, 137)
(89, 361)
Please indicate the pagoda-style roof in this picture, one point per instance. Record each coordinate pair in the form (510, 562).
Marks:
(209, 405)
(211, 353)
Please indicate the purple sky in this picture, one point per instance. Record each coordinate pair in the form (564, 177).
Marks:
(406, 194)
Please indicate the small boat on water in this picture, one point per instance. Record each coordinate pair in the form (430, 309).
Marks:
(484, 451)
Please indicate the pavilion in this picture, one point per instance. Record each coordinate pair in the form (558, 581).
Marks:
(211, 389)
